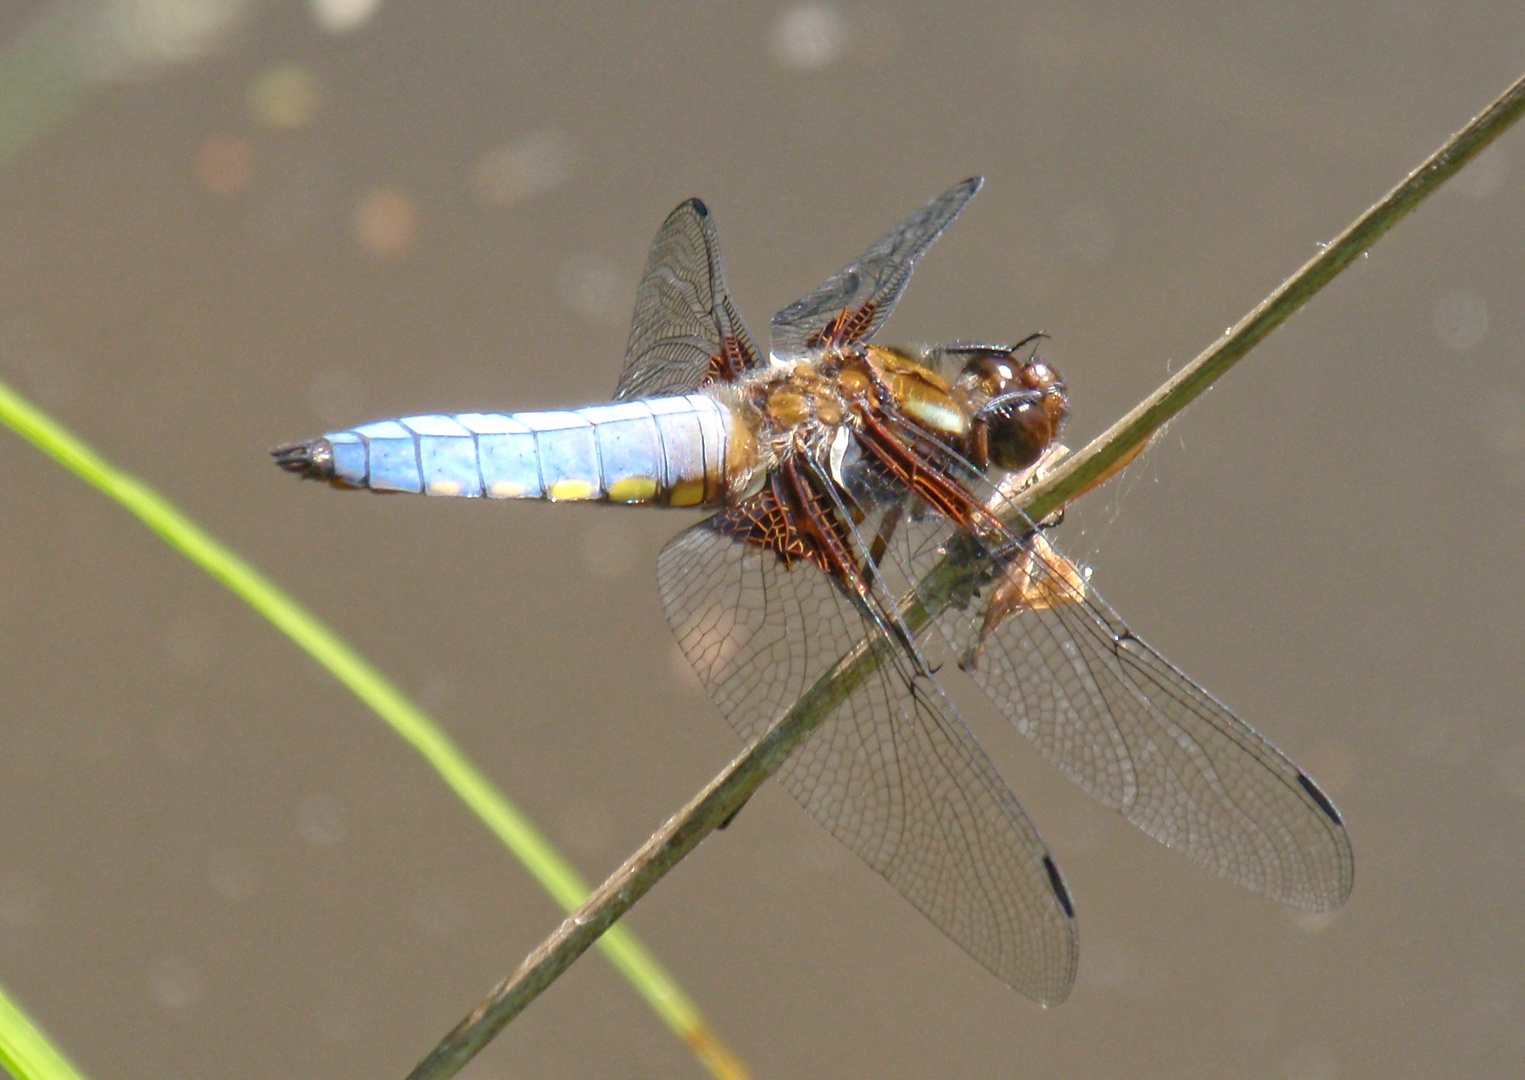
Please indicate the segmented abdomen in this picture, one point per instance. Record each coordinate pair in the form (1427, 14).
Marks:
(668, 450)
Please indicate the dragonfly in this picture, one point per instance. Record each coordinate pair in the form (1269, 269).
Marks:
(842, 474)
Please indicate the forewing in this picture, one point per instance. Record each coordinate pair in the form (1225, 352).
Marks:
(1131, 729)
(892, 772)
(685, 328)
(862, 294)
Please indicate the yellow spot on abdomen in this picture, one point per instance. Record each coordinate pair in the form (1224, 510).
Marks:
(506, 489)
(570, 490)
(633, 489)
(444, 487)
(687, 493)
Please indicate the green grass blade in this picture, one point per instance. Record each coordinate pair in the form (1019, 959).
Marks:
(25, 1051)
(496, 811)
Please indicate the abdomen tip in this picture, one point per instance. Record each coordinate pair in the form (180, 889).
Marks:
(312, 460)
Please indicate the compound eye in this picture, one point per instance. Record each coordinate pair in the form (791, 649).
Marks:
(1017, 433)
(1036, 375)
(993, 374)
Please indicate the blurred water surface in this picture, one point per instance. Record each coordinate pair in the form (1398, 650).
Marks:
(254, 222)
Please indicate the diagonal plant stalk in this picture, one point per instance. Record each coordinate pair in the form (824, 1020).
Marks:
(1107, 454)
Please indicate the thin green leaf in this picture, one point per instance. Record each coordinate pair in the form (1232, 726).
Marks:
(530, 846)
(25, 1051)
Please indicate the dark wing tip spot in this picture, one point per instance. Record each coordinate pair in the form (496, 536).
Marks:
(312, 460)
(1319, 797)
(699, 207)
(1061, 890)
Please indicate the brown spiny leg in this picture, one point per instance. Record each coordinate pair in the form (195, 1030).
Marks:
(887, 525)
(727, 365)
(817, 516)
(847, 327)
(798, 523)
(766, 520)
(940, 491)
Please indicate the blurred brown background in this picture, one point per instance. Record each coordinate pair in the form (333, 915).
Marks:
(257, 222)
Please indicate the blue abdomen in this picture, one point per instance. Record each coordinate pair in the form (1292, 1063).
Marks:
(668, 450)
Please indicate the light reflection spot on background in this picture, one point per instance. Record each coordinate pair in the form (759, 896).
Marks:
(340, 16)
(537, 163)
(225, 165)
(320, 820)
(593, 287)
(386, 222)
(1461, 320)
(123, 38)
(175, 982)
(285, 98)
(808, 37)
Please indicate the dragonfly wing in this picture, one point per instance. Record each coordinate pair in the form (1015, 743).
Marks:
(857, 299)
(685, 328)
(892, 772)
(1130, 728)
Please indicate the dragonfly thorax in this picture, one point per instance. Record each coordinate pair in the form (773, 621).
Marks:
(801, 408)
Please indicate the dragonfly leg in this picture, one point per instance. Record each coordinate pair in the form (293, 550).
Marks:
(1037, 579)
(886, 533)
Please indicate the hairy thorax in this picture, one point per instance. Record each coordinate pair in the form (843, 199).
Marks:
(815, 407)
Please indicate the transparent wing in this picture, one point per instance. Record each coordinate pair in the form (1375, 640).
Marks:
(685, 328)
(1131, 729)
(856, 300)
(892, 772)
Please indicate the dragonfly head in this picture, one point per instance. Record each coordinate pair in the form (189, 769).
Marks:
(1016, 406)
